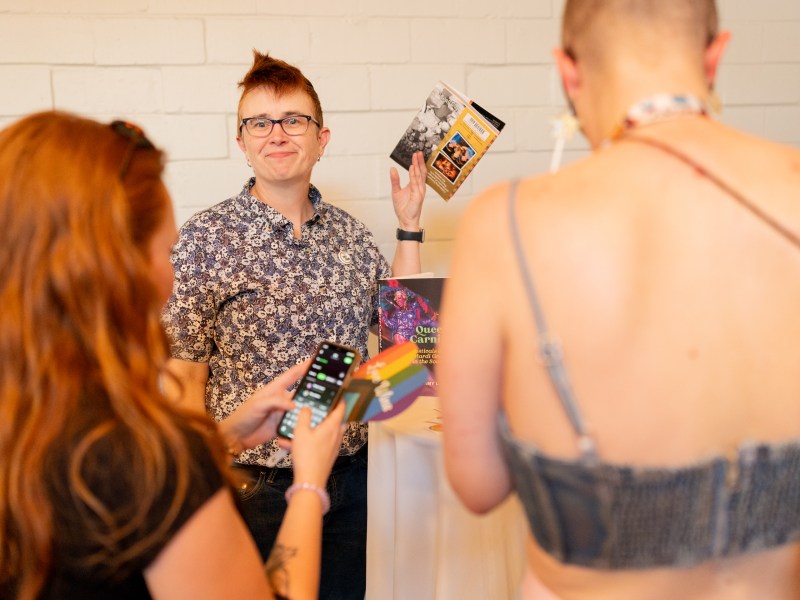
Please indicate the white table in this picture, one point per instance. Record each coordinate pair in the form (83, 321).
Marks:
(422, 544)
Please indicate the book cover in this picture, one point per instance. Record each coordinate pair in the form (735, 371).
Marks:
(409, 312)
(453, 133)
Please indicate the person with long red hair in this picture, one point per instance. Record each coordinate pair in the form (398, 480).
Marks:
(109, 488)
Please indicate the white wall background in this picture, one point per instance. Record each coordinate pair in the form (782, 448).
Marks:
(172, 66)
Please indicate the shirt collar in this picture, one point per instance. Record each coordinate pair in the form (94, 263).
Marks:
(275, 218)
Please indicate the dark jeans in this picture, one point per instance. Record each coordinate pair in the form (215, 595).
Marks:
(344, 528)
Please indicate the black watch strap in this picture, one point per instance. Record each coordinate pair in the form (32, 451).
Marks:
(413, 236)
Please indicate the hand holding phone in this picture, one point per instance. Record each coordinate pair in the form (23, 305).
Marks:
(315, 450)
(321, 386)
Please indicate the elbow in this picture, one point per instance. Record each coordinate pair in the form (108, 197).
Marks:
(479, 506)
(478, 493)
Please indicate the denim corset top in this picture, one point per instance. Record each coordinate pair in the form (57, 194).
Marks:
(600, 515)
(593, 514)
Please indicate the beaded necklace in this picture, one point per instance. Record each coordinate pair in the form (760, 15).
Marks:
(660, 107)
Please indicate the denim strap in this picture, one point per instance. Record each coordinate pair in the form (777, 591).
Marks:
(549, 347)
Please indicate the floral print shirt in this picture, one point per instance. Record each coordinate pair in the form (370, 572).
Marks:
(251, 300)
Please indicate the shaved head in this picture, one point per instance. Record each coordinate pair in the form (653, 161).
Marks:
(591, 27)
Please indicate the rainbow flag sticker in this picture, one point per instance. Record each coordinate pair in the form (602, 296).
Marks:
(385, 385)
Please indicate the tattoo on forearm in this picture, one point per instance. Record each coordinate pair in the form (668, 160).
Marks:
(277, 573)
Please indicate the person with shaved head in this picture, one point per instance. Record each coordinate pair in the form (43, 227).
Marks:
(633, 375)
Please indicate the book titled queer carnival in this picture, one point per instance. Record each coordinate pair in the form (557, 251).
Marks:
(409, 312)
(453, 133)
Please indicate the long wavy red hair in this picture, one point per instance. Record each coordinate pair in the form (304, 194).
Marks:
(79, 330)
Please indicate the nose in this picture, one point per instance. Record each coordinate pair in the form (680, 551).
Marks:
(277, 135)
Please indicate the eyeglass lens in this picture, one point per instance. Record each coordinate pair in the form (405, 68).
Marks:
(292, 125)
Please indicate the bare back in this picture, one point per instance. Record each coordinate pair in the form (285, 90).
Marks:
(677, 312)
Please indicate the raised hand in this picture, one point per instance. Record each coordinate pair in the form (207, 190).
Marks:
(407, 200)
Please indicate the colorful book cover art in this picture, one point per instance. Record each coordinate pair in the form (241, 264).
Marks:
(409, 312)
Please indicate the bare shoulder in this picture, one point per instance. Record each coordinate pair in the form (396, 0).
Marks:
(485, 205)
(490, 209)
(743, 156)
(211, 556)
(765, 171)
(759, 146)
(783, 159)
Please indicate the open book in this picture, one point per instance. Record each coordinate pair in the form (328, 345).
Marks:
(453, 133)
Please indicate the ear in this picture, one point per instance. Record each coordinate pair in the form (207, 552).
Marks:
(713, 55)
(243, 148)
(324, 138)
(569, 73)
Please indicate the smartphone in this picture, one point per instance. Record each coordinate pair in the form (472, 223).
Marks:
(321, 387)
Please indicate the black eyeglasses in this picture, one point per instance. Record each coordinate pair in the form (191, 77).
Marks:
(138, 141)
(291, 125)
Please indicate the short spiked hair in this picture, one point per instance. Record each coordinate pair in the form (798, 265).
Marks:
(280, 77)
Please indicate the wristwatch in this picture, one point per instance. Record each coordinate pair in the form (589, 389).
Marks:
(413, 236)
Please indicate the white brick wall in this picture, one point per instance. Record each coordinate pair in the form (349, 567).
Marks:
(172, 66)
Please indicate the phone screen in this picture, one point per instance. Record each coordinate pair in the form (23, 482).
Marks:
(320, 387)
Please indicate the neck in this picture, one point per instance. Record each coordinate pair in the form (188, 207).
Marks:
(661, 107)
(291, 201)
(629, 84)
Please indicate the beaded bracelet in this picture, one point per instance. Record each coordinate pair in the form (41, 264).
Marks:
(323, 495)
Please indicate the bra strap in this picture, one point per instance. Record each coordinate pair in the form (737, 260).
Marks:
(549, 347)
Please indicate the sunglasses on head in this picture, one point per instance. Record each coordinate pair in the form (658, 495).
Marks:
(138, 141)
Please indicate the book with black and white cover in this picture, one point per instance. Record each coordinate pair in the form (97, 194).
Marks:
(453, 133)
